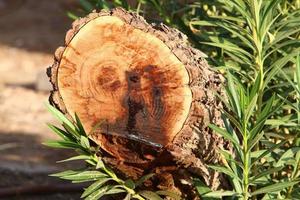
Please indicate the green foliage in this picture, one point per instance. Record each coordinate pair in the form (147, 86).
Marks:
(104, 180)
(87, 6)
(259, 43)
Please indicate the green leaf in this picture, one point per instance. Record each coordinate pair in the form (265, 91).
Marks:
(65, 173)
(266, 173)
(231, 48)
(296, 165)
(280, 122)
(130, 184)
(128, 197)
(150, 195)
(234, 29)
(84, 141)
(86, 5)
(281, 36)
(143, 179)
(265, 29)
(98, 193)
(115, 190)
(71, 131)
(228, 18)
(267, 151)
(288, 155)
(72, 15)
(255, 86)
(290, 81)
(242, 9)
(266, 110)
(80, 126)
(100, 164)
(230, 159)
(202, 189)
(233, 120)
(250, 108)
(80, 157)
(110, 172)
(224, 170)
(122, 3)
(233, 163)
(274, 188)
(219, 194)
(63, 144)
(268, 11)
(298, 72)
(255, 140)
(92, 162)
(232, 92)
(59, 116)
(95, 186)
(224, 133)
(63, 134)
(85, 176)
(277, 65)
(280, 46)
(264, 115)
(171, 194)
(231, 131)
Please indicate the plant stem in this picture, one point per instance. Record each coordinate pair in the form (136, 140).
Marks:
(122, 183)
(246, 163)
(259, 65)
(137, 196)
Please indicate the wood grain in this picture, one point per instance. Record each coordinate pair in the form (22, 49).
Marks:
(125, 78)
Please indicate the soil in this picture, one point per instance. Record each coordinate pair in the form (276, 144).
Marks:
(30, 32)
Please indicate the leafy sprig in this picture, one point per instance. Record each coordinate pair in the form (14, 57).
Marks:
(259, 44)
(250, 167)
(104, 180)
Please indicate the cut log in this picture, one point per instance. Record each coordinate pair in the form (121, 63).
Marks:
(150, 95)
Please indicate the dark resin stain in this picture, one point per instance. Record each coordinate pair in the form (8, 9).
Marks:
(108, 79)
(115, 85)
(134, 78)
(146, 112)
(135, 103)
(133, 109)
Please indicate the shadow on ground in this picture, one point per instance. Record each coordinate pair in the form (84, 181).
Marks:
(30, 32)
(25, 152)
(24, 161)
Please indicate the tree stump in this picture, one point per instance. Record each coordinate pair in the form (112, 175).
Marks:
(150, 94)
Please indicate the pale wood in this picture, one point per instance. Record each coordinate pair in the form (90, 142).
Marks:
(125, 78)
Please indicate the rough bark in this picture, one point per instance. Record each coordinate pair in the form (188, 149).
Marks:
(152, 92)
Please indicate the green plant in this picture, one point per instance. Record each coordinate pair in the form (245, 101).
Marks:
(105, 181)
(87, 6)
(259, 42)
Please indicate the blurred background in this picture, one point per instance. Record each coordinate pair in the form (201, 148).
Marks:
(30, 31)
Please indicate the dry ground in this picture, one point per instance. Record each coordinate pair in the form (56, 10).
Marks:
(30, 30)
